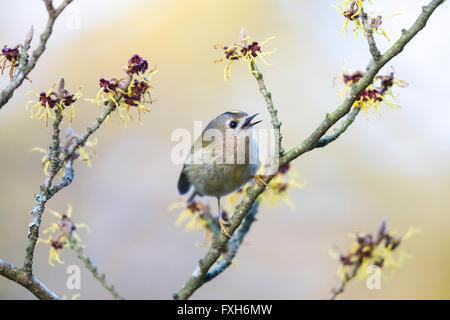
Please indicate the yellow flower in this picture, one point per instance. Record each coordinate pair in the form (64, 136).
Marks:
(68, 215)
(192, 217)
(277, 189)
(66, 229)
(351, 11)
(139, 83)
(45, 160)
(411, 232)
(9, 58)
(47, 102)
(135, 90)
(197, 216)
(247, 51)
(380, 91)
(374, 24)
(85, 152)
(55, 248)
(381, 250)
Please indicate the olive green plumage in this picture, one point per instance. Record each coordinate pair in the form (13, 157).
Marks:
(223, 158)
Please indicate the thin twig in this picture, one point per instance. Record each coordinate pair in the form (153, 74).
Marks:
(348, 276)
(369, 35)
(65, 180)
(351, 116)
(80, 141)
(25, 66)
(89, 265)
(214, 252)
(276, 124)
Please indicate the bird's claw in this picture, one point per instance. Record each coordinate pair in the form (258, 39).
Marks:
(259, 179)
(223, 225)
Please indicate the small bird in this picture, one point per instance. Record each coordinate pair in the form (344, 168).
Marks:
(222, 159)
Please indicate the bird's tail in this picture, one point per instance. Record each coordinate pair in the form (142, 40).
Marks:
(183, 183)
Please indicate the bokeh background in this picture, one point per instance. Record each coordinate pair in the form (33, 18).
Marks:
(394, 166)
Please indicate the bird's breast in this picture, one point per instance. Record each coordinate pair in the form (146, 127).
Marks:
(219, 179)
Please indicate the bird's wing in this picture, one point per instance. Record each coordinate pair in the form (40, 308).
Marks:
(201, 151)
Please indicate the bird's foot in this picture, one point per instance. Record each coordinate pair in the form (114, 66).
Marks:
(223, 225)
(260, 180)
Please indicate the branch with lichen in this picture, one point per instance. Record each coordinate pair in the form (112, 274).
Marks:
(116, 95)
(233, 245)
(89, 265)
(44, 194)
(47, 189)
(21, 64)
(197, 278)
(29, 282)
(276, 124)
(325, 140)
(197, 216)
(368, 28)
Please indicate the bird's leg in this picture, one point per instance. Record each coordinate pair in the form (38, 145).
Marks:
(260, 180)
(222, 221)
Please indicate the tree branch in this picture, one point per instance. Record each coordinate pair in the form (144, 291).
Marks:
(48, 189)
(69, 153)
(233, 245)
(214, 252)
(351, 116)
(276, 124)
(65, 180)
(42, 198)
(369, 35)
(25, 67)
(356, 90)
(93, 268)
(348, 276)
(30, 282)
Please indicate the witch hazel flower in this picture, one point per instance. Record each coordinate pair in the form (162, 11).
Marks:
(129, 92)
(380, 91)
(246, 51)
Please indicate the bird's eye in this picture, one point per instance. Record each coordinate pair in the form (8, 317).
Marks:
(233, 124)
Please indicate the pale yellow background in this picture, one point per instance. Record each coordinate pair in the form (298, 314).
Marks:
(394, 166)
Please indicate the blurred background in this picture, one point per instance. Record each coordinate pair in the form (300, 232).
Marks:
(394, 166)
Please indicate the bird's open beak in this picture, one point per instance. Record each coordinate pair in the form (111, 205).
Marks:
(248, 122)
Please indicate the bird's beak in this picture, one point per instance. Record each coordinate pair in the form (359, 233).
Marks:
(248, 122)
